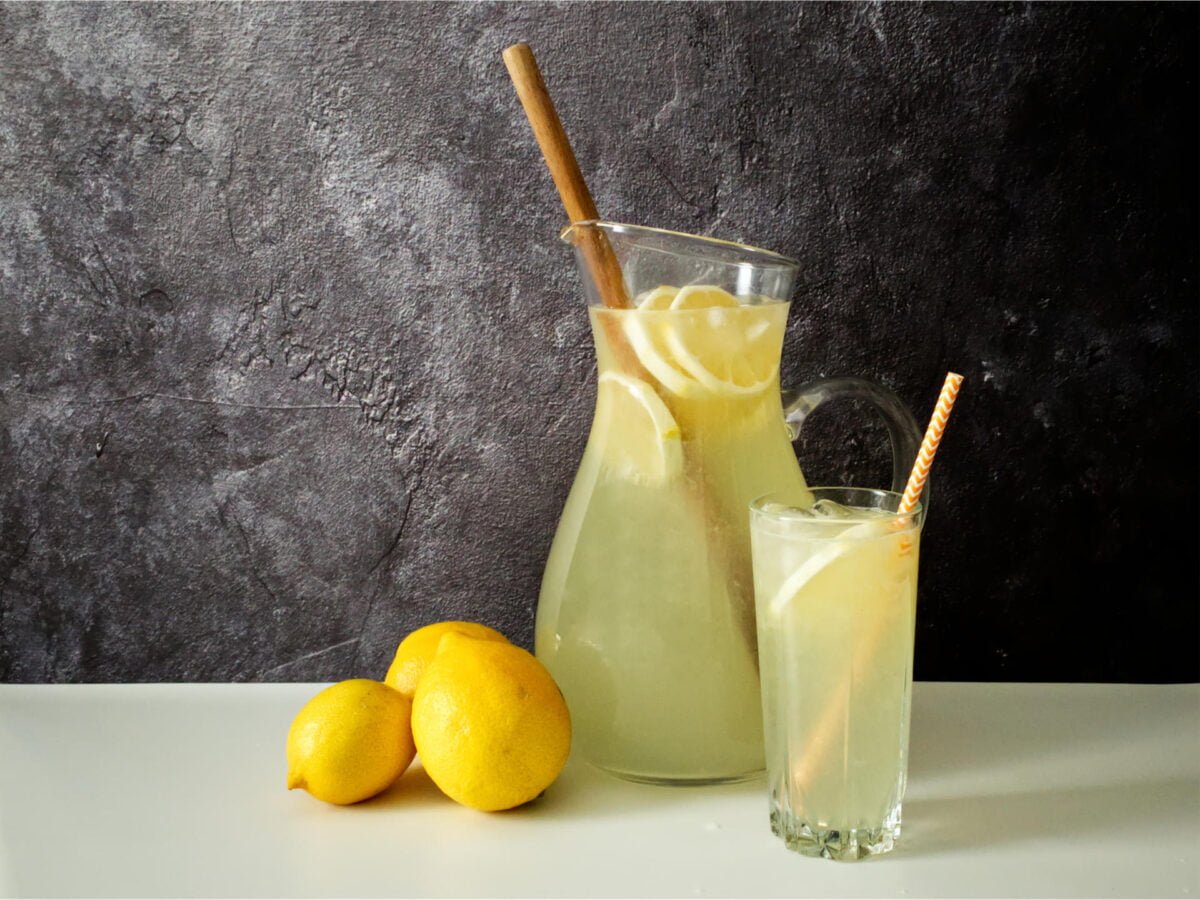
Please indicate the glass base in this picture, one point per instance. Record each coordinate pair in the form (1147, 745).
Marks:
(680, 780)
(843, 845)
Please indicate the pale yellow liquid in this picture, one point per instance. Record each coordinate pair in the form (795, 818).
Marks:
(836, 662)
(646, 615)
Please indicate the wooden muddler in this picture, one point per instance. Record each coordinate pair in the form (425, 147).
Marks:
(564, 169)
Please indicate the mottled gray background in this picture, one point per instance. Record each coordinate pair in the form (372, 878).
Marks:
(291, 360)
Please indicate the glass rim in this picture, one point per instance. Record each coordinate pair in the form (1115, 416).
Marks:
(757, 256)
(792, 513)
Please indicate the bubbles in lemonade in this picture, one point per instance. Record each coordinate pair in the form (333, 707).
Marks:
(646, 615)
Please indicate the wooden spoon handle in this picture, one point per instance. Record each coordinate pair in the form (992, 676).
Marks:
(564, 169)
(539, 108)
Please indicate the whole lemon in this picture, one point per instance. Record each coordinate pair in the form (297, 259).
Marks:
(416, 651)
(490, 724)
(350, 742)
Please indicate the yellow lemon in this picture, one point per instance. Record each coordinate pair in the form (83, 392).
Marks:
(416, 650)
(350, 742)
(490, 724)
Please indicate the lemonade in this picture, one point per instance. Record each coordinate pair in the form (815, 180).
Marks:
(836, 595)
(646, 615)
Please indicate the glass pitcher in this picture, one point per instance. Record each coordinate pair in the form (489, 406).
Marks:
(646, 611)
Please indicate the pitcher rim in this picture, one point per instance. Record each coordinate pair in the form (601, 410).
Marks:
(620, 227)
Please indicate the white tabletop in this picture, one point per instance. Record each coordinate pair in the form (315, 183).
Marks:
(178, 790)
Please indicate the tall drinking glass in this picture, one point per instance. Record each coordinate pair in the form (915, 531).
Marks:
(835, 588)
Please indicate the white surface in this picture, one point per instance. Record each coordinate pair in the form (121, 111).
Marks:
(178, 790)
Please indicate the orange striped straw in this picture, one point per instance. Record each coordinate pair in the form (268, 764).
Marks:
(829, 728)
(933, 437)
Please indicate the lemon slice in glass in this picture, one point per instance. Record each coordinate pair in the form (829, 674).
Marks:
(645, 328)
(698, 341)
(702, 296)
(644, 441)
(729, 349)
(657, 298)
(726, 354)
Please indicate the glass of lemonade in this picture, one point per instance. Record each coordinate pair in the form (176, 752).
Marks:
(835, 587)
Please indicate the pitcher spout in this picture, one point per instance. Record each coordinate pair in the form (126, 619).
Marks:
(620, 262)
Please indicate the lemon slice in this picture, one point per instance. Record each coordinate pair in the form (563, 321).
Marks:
(702, 296)
(649, 335)
(645, 444)
(643, 333)
(658, 298)
(723, 366)
(830, 552)
(727, 348)
(645, 329)
(699, 340)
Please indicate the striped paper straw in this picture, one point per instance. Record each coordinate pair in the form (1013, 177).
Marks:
(823, 737)
(933, 436)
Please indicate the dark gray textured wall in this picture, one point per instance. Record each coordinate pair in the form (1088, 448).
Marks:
(291, 361)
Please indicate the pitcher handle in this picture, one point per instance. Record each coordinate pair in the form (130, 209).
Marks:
(902, 428)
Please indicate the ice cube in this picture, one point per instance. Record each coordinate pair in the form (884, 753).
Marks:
(781, 509)
(829, 509)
